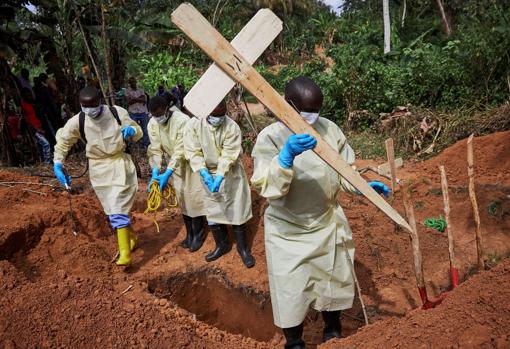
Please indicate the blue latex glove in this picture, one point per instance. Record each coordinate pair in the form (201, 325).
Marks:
(128, 131)
(380, 188)
(163, 178)
(296, 144)
(59, 173)
(216, 185)
(206, 177)
(155, 177)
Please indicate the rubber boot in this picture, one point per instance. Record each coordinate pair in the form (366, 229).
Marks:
(188, 223)
(133, 241)
(220, 235)
(124, 246)
(198, 224)
(293, 337)
(332, 328)
(242, 246)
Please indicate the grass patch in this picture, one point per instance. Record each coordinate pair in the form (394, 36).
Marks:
(367, 144)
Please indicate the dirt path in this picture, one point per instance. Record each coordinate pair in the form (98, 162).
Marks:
(60, 290)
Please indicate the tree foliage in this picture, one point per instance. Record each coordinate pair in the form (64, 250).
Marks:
(343, 53)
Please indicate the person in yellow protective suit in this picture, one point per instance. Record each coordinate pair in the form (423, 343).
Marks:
(112, 172)
(304, 225)
(166, 129)
(213, 147)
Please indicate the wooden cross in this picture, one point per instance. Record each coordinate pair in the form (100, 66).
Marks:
(232, 62)
(251, 41)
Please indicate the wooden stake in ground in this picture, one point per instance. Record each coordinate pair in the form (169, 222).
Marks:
(200, 31)
(454, 267)
(390, 153)
(474, 203)
(353, 273)
(415, 242)
(417, 257)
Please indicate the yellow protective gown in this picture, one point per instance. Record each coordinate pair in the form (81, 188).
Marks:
(112, 172)
(304, 226)
(219, 150)
(168, 138)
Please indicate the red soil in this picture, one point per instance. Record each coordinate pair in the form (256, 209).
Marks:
(58, 290)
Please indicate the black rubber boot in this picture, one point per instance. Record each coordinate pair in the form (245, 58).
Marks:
(188, 223)
(220, 235)
(198, 239)
(293, 337)
(332, 328)
(242, 246)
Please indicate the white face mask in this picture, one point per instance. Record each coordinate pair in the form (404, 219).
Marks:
(92, 112)
(216, 120)
(309, 117)
(163, 118)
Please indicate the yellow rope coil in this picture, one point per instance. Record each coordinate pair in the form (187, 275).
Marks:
(154, 200)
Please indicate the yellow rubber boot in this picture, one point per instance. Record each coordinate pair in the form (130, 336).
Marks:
(132, 239)
(124, 246)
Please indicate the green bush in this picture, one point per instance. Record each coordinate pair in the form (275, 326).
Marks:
(162, 67)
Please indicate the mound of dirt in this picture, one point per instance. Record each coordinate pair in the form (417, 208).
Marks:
(491, 160)
(475, 315)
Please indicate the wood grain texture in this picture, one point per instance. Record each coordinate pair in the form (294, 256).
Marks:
(474, 204)
(415, 241)
(390, 152)
(250, 42)
(449, 227)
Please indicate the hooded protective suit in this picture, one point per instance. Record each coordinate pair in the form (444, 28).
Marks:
(219, 150)
(111, 170)
(168, 138)
(304, 226)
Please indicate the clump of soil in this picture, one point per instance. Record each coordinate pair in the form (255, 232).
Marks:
(57, 289)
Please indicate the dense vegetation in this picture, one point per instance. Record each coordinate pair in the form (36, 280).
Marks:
(426, 67)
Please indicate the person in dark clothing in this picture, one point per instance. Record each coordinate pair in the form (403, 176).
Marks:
(179, 92)
(36, 126)
(46, 103)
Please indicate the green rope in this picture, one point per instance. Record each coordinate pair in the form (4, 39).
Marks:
(436, 223)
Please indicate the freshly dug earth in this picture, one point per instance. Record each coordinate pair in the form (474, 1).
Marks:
(476, 315)
(61, 290)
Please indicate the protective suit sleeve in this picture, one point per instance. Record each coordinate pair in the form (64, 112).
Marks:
(178, 151)
(231, 149)
(347, 153)
(192, 147)
(155, 149)
(66, 137)
(125, 120)
(270, 179)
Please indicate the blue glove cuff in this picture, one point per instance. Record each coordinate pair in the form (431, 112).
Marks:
(284, 163)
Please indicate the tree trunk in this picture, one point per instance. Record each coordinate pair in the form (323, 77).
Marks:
(387, 28)
(447, 27)
(404, 12)
(89, 51)
(110, 101)
(7, 152)
(117, 55)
